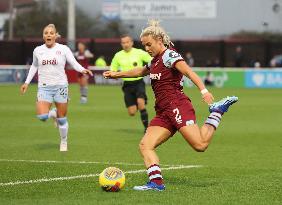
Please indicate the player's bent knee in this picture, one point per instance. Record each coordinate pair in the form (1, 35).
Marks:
(200, 147)
(131, 114)
(144, 147)
(43, 117)
(62, 120)
(141, 146)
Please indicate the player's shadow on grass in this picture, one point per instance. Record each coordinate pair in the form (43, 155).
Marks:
(47, 146)
(190, 182)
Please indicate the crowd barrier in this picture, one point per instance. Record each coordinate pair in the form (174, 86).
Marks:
(221, 77)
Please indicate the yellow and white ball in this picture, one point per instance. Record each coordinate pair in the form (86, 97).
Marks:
(112, 179)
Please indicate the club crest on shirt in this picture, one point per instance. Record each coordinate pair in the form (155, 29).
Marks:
(58, 52)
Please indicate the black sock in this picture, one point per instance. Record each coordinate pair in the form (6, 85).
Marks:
(144, 117)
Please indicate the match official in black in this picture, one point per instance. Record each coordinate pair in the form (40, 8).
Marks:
(133, 88)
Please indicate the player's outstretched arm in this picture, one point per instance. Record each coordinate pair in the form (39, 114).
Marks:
(182, 67)
(32, 71)
(137, 72)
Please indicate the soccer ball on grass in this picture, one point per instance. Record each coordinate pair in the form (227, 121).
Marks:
(112, 179)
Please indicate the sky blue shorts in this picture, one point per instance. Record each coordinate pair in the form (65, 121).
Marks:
(55, 93)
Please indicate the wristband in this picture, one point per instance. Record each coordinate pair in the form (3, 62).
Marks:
(204, 91)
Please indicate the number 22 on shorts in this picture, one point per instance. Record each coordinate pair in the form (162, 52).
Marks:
(177, 116)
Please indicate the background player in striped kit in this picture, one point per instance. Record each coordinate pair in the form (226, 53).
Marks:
(49, 60)
(174, 110)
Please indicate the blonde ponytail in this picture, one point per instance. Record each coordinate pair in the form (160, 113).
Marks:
(156, 31)
(154, 22)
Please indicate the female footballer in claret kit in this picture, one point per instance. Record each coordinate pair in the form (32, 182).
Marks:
(174, 110)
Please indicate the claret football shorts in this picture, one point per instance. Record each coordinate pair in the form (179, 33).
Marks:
(178, 114)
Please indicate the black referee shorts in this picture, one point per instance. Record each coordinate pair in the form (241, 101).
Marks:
(133, 90)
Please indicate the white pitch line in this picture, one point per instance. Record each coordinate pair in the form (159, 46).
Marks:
(78, 162)
(33, 181)
(68, 162)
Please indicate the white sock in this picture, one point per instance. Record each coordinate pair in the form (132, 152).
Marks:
(214, 119)
(63, 129)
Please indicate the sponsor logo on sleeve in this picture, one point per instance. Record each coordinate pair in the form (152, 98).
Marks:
(173, 54)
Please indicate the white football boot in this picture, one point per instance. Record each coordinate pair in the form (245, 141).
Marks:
(83, 100)
(63, 146)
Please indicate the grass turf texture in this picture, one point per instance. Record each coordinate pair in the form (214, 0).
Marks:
(243, 164)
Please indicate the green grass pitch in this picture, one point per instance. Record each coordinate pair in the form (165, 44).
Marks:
(243, 164)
